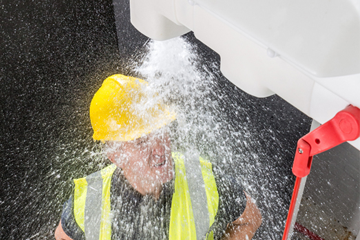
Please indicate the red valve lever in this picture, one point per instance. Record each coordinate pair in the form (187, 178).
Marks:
(345, 126)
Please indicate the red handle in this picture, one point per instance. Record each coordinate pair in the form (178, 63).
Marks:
(345, 126)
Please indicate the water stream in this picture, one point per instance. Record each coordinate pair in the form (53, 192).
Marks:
(223, 127)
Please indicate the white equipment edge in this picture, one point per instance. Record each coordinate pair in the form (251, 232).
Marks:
(306, 52)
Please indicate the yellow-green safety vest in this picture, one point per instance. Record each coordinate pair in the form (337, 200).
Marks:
(193, 209)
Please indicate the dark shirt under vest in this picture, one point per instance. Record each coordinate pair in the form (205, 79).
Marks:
(135, 216)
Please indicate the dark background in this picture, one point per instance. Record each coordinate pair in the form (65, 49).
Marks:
(54, 56)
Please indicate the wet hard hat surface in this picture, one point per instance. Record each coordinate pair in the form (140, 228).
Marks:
(124, 109)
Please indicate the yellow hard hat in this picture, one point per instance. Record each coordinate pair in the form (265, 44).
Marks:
(122, 110)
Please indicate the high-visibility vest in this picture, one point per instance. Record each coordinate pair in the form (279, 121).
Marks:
(193, 208)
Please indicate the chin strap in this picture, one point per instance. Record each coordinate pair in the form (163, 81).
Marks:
(345, 126)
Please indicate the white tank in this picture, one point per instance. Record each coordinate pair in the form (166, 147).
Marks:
(307, 52)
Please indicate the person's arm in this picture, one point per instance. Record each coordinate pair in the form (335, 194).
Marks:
(246, 225)
(60, 234)
(68, 228)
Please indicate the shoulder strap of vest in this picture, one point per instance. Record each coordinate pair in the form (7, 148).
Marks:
(212, 194)
(92, 204)
(195, 200)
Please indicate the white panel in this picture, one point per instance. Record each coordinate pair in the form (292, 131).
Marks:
(322, 37)
(148, 18)
(324, 106)
(248, 64)
(185, 13)
(348, 87)
(240, 69)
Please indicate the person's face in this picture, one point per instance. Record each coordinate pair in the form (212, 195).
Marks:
(146, 161)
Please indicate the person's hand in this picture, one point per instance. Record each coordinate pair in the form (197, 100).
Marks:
(60, 234)
(246, 225)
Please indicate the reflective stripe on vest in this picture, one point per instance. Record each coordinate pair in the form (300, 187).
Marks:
(189, 211)
(92, 204)
(182, 218)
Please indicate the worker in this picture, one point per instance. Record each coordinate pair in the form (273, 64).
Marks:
(150, 192)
